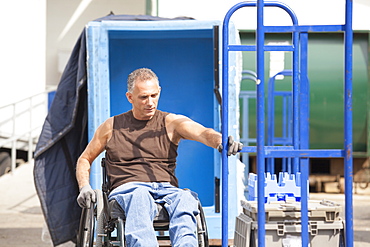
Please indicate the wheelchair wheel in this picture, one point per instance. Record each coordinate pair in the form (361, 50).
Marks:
(85, 237)
(86, 232)
(202, 229)
(100, 218)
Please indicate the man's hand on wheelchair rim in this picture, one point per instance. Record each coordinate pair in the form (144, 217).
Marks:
(233, 146)
(86, 196)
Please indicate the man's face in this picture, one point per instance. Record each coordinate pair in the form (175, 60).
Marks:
(144, 99)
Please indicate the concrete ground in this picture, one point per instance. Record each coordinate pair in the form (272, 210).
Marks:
(21, 220)
(22, 223)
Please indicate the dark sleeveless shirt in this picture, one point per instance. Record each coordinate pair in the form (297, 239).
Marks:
(140, 151)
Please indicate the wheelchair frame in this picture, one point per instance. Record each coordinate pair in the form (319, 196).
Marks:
(97, 223)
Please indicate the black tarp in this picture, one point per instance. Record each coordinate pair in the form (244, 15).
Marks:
(62, 140)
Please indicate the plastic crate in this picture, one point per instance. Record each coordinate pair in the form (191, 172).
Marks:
(287, 187)
(283, 225)
(324, 210)
(287, 233)
(243, 230)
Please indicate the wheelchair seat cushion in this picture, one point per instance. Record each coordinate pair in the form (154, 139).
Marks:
(116, 211)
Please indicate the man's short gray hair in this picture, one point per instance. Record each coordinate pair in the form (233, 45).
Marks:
(142, 74)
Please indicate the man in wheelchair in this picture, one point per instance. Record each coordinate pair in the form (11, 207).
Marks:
(141, 150)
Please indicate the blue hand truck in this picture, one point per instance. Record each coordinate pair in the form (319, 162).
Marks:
(299, 150)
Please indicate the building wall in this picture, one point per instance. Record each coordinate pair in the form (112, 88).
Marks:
(22, 65)
(22, 46)
(66, 20)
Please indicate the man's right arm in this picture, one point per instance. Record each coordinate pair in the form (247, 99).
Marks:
(93, 149)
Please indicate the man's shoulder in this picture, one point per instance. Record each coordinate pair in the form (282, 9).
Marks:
(108, 123)
(175, 118)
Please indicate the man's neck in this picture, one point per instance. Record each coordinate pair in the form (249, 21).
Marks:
(142, 118)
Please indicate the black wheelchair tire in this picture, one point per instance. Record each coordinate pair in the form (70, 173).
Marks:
(85, 237)
(100, 218)
(202, 229)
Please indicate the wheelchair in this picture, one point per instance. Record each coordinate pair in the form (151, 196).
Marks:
(103, 223)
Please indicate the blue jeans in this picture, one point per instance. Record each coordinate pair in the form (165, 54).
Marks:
(138, 200)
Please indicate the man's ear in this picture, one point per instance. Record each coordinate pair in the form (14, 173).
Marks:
(129, 97)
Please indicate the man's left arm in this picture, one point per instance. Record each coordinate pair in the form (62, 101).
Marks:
(181, 127)
(191, 130)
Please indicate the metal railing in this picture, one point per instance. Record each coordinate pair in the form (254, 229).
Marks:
(21, 124)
